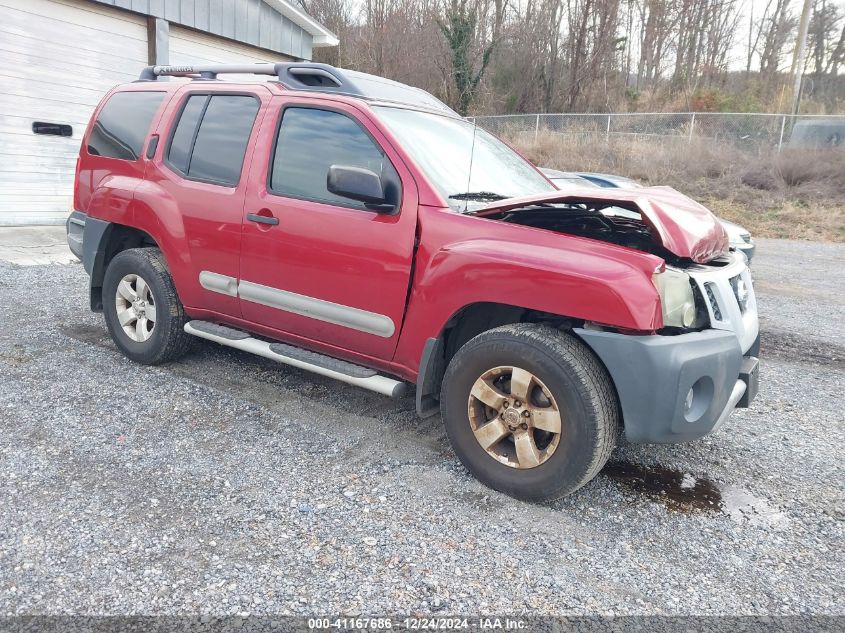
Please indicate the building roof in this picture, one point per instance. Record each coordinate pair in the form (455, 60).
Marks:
(322, 36)
(276, 25)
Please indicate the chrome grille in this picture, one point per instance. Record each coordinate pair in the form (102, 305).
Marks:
(714, 304)
(728, 295)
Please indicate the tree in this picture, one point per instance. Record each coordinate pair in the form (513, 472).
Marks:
(777, 26)
(460, 28)
(337, 15)
(822, 36)
(503, 56)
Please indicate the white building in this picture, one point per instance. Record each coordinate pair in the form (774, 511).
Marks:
(58, 58)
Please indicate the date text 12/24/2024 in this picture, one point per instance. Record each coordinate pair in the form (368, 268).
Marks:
(418, 623)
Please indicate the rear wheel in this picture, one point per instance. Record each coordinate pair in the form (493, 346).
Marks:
(142, 310)
(530, 411)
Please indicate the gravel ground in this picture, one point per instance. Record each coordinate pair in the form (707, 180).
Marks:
(226, 484)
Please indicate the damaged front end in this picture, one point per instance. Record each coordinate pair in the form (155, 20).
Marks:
(704, 357)
(657, 220)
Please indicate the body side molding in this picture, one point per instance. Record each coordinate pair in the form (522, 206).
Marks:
(219, 283)
(320, 309)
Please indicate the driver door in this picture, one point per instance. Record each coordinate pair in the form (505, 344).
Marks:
(313, 264)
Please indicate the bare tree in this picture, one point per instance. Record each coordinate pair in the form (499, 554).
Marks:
(558, 55)
(338, 16)
(657, 22)
(777, 26)
(837, 57)
(822, 36)
(463, 26)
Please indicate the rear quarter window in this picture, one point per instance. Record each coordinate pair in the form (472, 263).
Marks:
(123, 124)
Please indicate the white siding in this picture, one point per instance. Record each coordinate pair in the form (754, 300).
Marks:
(190, 48)
(59, 58)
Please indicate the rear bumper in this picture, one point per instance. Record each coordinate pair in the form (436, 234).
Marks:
(85, 237)
(75, 226)
(675, 388)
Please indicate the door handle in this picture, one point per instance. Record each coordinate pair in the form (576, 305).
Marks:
(262, 219)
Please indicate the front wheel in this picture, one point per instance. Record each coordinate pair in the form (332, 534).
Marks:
(530, 411)
(143, 313)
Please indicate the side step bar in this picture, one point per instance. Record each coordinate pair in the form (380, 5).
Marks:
(298, 357)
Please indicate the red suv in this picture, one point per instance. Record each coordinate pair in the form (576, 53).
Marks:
(360, 229)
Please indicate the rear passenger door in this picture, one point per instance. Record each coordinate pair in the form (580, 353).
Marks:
(199, 180)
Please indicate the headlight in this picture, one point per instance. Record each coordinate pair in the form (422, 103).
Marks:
(741, 292)
(676, 297)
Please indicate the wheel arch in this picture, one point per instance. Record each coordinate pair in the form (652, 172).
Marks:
(466, 323)
(103, 240)
(572, 282)
(579, 390)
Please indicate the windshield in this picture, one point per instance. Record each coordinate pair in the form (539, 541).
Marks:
(443, 148)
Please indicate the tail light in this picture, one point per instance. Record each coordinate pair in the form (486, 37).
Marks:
(76, 205)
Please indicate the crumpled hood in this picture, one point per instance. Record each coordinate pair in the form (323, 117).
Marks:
(681, 225)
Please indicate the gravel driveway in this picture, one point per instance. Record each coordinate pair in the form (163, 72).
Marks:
(226, 484)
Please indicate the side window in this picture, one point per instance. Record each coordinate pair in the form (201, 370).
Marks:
(183, 136)
(310, 141)
(210, 139)
(123, 123)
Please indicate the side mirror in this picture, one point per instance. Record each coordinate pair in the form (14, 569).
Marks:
(359, 184)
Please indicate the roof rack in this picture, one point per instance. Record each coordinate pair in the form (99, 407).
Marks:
(313, 77)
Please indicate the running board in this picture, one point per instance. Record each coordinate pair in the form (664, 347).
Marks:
(298, 357)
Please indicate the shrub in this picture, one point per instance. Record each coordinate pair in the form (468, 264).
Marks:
(760, 177)
(796, 167)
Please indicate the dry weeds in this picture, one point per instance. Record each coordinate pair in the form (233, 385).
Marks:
(799, 194)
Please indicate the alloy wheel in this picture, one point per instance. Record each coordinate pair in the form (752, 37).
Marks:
(514, 417)
(136, 310)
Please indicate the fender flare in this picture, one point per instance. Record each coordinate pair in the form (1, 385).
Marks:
(427, 386)
(95, 239)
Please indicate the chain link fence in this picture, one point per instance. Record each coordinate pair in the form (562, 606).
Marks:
(747, 131)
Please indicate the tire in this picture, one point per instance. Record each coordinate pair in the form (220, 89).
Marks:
(161, 336)
(567, 380)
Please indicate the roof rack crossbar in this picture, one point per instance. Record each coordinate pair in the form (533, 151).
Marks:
(293, 75)
(151, 73)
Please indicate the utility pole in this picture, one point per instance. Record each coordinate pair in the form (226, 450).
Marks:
(798, 58)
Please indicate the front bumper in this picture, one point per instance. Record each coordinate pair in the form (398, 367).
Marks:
(675, 388)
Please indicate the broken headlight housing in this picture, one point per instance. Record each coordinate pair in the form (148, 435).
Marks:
(741, 292)
(677, 298)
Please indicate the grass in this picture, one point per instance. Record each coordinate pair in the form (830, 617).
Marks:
(798, 194)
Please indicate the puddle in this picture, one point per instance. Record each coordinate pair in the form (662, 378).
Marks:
(15, 356)
(740, 505)
(794, 348)
(685, 492)
(677, 489)
(96, 335)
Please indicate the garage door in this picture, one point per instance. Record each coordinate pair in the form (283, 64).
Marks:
(188, 48)
(59, 57)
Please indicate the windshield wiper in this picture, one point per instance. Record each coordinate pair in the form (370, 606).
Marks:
(479, 195)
